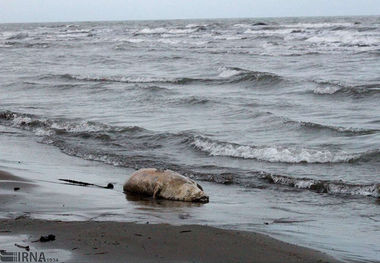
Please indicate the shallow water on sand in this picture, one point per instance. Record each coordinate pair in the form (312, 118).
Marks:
(325, 225)
(278, 119)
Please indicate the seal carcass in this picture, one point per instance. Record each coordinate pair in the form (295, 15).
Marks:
(165, 184)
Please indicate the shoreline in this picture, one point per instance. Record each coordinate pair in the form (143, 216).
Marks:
(113, 241)
(95, 241)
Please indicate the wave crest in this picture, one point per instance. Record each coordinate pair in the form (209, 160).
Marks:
(330, 88)
(325, 186)
(136, 147)
(339, 129)
(270, 153)
(235, 74)
(227, 75)
(18, 36)
(46, 127)
(174, 31)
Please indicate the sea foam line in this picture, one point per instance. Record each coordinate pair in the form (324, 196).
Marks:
(284, 154)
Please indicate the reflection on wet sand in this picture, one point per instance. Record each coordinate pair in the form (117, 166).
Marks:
(149, 201)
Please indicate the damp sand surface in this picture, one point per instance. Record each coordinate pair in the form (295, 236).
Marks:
(90, 241)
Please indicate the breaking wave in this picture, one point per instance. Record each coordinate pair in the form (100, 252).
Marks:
(136, 147)
(227, 75)
(273, 153)
(162, 30)
(338, 129)
(18, 44)
(18, 36)
(46, 127)
(344, 38)
(104, 79)
(329, 88)
(325, 186)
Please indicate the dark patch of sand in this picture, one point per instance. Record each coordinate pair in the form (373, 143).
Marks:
(12, 188)
(91, 241)
(5, 176)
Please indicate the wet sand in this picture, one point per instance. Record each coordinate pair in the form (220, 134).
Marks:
(5, 176)
(92, 241)
(12, 188)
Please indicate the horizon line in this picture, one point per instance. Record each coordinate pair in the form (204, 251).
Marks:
(174, 19)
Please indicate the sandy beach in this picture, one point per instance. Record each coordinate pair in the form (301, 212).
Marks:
(91, 241)
(128, 242)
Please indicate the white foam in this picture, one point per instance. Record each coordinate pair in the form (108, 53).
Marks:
(20, 120)
(70, 35)
(162, 30)
(365, 190)
(182, 31)
(83, 126)
(227, 72)
(326, 90)
(270, 153)
(242, 25)
(158, 30)
(120, 79)
(345, 38)
(176, 42)
(269, 32)
(135, 40)
(193, 25)
(166, 38)
(317, 25)
(328, 186)
(78, 31)
(303, 184)
(228, 37)
(43, 132)
(169, 41)
(298, 183)
(140, 79)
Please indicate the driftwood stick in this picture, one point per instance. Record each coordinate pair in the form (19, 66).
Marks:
(109, 186)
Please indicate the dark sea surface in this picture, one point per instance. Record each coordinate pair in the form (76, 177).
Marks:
(286, 108)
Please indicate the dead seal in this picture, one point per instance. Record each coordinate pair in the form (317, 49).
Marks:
(165, 184)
